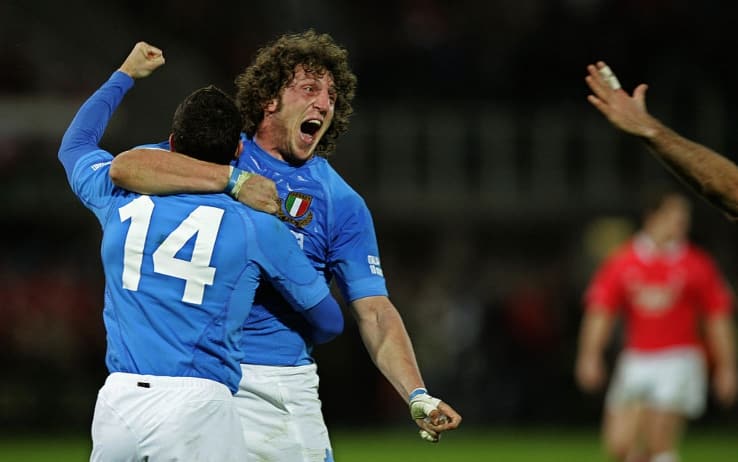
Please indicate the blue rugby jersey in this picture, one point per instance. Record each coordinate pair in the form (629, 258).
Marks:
(180, 271)
(334, 227)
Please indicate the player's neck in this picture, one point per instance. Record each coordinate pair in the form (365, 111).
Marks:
(266, 144)
(270, 148)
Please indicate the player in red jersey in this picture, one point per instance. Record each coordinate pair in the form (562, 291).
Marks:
(663, 287)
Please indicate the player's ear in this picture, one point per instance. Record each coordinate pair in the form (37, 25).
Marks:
(271, 106)
(171, 142)
(239, 149)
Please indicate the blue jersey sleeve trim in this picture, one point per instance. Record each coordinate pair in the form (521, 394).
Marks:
(367, 287)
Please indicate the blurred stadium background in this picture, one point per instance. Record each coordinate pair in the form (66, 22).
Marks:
(495, 189)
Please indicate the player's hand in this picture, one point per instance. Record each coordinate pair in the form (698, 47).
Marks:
(433, 416)
(590, 373)
(725, 385)
(142, 60)
(626, 112)
(254, 190)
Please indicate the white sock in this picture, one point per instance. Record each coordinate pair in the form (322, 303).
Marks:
(665, 457)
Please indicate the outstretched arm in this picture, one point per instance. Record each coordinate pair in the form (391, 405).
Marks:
(389, 346)
(87, 127)
(712, 175)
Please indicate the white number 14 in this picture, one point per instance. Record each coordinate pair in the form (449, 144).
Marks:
(197, 272)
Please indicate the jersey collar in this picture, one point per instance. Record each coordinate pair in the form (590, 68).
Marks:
(263, 157)
(646, 250)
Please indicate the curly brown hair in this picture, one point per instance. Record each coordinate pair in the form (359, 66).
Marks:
(273, 68)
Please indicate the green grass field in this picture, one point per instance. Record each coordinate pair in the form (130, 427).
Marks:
(402, 446)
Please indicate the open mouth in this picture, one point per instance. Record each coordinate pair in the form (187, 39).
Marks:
(311, 127)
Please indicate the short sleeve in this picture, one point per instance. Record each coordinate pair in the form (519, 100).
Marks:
(715, 295)
(605, 290)
(354, 255)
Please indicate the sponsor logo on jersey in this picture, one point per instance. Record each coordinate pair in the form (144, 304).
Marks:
(99, 165)
(654, 297)
(375, 266)
(295, 210)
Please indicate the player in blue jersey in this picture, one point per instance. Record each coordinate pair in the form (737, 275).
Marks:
(296, 100)
(180, 275)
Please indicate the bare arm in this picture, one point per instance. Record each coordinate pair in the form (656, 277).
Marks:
(155, 171)
(712, 175)
(594, 336)
(721, 341)
(390, 348)
(388, 343)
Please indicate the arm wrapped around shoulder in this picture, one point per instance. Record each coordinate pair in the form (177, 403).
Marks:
(236, 180)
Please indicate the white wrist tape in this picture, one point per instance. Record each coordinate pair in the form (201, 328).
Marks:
(421, 405)
(235, 182)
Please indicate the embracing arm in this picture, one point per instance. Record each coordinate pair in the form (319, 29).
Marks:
(712, 175)
(156, 171)
(390, 348)
(326, 320)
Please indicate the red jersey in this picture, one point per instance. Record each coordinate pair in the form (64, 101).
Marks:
(662, 295)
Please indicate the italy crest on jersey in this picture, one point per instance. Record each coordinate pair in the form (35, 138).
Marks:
(296, 206)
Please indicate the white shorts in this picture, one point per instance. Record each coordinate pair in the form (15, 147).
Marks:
(152, 418)
(281, 414)
(672, 380)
